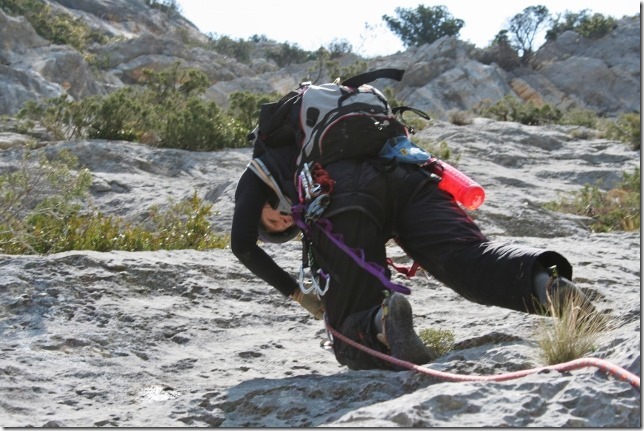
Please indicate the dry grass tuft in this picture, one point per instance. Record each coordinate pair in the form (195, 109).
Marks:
(572, 331)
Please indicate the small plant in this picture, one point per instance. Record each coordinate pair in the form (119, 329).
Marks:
(459, 118)
(440, 150)
(571, 330)
(440, 340)
(615, 209)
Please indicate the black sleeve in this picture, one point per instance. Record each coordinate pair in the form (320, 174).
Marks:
(250, 196)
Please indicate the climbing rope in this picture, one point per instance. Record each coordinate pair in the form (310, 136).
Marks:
(603, 365)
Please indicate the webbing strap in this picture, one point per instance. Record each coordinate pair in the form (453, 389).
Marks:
(260, 169)
(357, 255)
(367, 77)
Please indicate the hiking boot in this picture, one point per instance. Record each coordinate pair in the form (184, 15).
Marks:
(398, 332)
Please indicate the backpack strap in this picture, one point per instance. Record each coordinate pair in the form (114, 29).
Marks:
(367, 77)
(260, 169)
(399, 110)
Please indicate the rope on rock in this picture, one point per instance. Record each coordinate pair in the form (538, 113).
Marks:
(602, 364)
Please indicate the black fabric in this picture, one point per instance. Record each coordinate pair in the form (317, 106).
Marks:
(367, 77)
(434, 230)
(250, 196)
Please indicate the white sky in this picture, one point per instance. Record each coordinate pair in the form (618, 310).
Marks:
(291, 21)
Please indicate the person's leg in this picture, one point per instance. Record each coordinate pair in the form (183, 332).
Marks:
(446, 242)
(354, 296)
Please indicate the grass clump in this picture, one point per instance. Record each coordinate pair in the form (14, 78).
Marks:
(571, 331)
(440, 340)
(615, 209)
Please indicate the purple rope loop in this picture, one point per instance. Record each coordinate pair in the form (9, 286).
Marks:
(358, 256)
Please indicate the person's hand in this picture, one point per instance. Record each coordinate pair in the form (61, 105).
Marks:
(310, 302)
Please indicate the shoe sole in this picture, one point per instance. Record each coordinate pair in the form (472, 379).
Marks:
(403, 340)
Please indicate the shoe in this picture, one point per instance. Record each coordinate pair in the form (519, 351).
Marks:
(562, 295)
(398, 332)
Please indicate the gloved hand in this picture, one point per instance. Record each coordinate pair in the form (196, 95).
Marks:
(310, 302)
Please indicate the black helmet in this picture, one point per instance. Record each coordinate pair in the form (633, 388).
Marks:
(277, 237)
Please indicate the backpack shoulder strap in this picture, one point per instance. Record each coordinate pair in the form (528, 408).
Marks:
(259, 168)
(367, 77)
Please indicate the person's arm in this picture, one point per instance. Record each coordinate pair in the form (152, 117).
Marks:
(250, 196)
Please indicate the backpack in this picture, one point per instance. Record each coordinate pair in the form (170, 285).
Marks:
(333, 121)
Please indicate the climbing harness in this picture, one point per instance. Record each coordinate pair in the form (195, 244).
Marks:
(602, 364)
(314, 193)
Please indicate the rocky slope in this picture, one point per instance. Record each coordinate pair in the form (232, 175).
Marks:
(187, 338)
(602, 75)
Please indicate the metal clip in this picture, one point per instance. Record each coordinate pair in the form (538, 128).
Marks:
(317, 207)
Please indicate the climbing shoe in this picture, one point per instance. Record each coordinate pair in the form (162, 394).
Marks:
(560, 295)
(397, 332)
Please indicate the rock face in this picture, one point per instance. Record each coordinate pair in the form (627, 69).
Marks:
(602, 75)
(187, 338)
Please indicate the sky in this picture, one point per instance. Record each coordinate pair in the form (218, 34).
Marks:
(360, 21)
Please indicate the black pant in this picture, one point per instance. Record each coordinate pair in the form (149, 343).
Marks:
(370, 204)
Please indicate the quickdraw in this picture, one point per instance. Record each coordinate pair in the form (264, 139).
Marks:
(314, 198)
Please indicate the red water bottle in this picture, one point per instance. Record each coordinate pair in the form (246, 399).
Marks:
(465, 190)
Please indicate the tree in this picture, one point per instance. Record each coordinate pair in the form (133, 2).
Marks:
(422, 25)
(592, 27)
(524, 27)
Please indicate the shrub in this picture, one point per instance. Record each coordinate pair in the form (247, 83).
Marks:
(238, 49)
(592, 27)
(579, 117)
(440, 150)
(512, 109)
(625, 129)
(40, 212)
(286, 54)
(58, 28)
(183, 226)
(460, 118)
(38, 188)
(165, 110)
(615, 209)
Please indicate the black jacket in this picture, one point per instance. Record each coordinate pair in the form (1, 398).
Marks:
(250, 196)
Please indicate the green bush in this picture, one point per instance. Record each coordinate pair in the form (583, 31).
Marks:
(58, 28)
(615, 209)
(40, 212)
(239, 49)
(183, 226)
(512, 109)
(592, 27)
(166, 110)
(627, 129)
(285, 54)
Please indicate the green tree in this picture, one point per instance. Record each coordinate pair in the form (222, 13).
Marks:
(592, 27)
(524, 27)
(423, 25)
